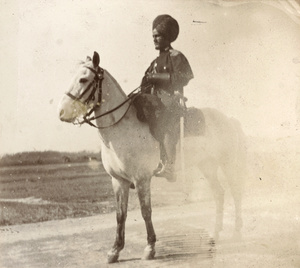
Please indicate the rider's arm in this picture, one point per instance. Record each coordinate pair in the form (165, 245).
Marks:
(158, 78)
(182, 72)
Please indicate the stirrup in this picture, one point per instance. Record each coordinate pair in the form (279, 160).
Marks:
(167, 172)
(158, 168)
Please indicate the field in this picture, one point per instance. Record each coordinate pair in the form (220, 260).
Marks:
(43, 186)
(77, 189)
(55, 191)
(52, 189)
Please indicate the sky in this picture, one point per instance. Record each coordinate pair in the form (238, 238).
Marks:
(245, 58)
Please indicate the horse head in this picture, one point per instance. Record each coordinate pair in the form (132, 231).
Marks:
(84, 93)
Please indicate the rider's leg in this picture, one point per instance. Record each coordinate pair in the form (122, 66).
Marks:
(168, 169)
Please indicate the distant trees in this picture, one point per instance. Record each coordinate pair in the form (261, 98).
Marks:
(66, 159)
(47, 157)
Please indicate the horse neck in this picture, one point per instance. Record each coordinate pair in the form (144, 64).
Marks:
(122, 130)
(112, 96)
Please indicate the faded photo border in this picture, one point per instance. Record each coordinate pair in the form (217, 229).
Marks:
(57, 204)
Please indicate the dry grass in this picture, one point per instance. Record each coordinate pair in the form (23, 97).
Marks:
(84, 189)
(68, 190)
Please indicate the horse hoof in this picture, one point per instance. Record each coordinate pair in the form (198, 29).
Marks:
(149, 253)
(112, 257)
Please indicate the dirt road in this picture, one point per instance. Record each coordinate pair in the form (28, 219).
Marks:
(271, 236)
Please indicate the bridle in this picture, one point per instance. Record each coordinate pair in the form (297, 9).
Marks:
(96, 84)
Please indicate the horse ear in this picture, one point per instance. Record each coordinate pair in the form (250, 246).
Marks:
(96, 59)
(88, 58)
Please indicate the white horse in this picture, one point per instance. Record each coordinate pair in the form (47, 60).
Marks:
(130, 153)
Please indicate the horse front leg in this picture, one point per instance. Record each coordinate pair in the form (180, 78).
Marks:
(144, 194)
(121, 190)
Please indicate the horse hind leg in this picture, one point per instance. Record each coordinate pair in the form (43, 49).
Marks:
(235, 180)
(236, 171)
(144, 194)
(210, 172)
(121, 190)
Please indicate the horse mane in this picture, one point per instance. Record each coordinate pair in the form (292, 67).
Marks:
(114, 81)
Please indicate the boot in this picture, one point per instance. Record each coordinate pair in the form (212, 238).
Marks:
(168, 155)
(167, 172)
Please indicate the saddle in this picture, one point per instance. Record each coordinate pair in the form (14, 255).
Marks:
(152, 111)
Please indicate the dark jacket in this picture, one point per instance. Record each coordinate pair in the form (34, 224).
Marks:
(175, 63)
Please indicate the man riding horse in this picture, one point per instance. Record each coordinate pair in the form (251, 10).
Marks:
(165, 78)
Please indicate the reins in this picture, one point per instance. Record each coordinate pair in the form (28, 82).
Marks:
(88, 120)
(97, 84)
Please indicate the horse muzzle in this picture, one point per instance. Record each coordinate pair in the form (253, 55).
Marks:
(62, 117)
(69, 110)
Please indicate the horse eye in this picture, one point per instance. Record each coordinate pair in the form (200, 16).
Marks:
(82, 80)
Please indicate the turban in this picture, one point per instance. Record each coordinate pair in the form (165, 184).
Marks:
(166, 26)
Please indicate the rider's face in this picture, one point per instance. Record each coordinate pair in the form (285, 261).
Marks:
(160, 42)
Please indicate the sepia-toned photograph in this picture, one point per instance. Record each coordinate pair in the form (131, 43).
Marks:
(152, 133)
